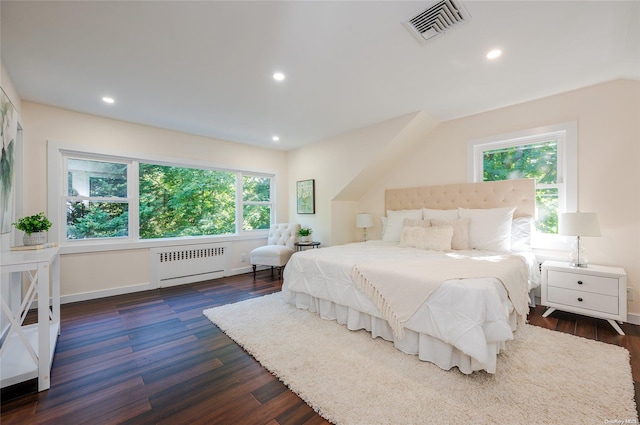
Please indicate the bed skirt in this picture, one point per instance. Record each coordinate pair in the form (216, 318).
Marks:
(426, 347)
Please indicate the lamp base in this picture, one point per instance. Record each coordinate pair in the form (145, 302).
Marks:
(577, 258)
(583, 265)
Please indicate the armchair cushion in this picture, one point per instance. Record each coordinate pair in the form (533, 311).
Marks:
(271, 255)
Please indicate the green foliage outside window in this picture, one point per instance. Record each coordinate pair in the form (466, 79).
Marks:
(256, 210)
(87, 218)
(179, 201)
(538, 161)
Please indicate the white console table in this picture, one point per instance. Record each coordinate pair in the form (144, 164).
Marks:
(27, 351)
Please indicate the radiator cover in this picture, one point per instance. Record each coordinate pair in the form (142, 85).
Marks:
(180, 264)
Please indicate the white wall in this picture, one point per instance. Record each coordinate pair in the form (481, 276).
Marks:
(102, 273)
(343, 168)
(608, 117)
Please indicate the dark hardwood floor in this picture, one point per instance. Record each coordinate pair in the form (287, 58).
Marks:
(153, 358)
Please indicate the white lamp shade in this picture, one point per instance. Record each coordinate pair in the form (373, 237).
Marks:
(364, 220)
(579, 224)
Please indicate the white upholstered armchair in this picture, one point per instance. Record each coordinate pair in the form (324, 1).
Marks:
(280, 247)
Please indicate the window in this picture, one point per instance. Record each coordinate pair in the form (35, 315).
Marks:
(110, 199)
(256, 202)
(181, 201)
(96, 201)
(548, 155)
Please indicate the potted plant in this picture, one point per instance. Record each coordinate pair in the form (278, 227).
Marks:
(304, 234)
(34, 228)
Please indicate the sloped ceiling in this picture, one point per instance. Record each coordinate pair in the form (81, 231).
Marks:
(206, 67)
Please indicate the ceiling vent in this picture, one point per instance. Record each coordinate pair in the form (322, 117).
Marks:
(437, 19)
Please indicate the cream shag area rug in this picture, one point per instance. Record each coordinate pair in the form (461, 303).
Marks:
(544, 377)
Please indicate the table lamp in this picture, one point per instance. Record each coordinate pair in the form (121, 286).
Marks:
(578, 224)
(364, 220)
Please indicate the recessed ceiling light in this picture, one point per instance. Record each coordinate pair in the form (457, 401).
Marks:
(494, 54)
(107, 99)
(278, 76)
(275, 138)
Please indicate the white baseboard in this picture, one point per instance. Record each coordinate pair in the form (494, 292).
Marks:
(241, 270)
(633, 318)
(85, 296)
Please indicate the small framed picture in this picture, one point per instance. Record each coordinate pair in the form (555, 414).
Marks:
(306, 196)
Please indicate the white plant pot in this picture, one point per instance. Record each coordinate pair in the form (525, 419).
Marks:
(304, 238)
(36, 238)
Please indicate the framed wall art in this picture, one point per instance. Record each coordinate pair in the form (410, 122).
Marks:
(306, 196)
(8, 161)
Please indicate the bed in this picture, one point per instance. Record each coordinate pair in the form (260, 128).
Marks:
(453, 305)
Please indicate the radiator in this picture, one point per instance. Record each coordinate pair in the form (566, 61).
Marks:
(177, 265)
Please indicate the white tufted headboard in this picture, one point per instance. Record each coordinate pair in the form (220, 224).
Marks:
(283, 234)
(505, 193)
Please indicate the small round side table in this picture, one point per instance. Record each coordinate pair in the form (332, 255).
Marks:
(301, 245)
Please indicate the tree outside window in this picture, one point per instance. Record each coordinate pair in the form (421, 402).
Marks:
(180, 201)
(537, 161)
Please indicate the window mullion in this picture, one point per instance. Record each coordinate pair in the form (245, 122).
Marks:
(239, 203)
(133, 188)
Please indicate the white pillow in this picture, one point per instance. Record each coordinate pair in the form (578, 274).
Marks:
(384, 225)
(429, 214)
(490, 228)
(435, 238)
(415, 223)
(395, 221)
(521, 229)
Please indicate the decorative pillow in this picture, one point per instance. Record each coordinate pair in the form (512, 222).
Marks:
(460, 227)
(490, 228)
(430, 214)
(411, 235)
(395, 221)
(435, 238)
(521, 229)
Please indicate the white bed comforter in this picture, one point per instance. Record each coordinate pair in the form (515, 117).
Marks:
(474, 316)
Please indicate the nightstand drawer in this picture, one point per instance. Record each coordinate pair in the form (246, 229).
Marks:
(584, 300)
(583, 282)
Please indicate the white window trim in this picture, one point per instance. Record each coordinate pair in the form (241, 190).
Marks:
(56, 154)
(241, 202)
(567, 135)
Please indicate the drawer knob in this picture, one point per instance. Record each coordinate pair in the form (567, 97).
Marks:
(579, 282)
(580, 299)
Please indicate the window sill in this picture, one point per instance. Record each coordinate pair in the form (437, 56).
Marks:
(78, 247)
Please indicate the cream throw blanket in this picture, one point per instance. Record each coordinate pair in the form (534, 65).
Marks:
(399, 288)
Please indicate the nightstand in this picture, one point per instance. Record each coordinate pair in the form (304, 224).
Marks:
(596, 291)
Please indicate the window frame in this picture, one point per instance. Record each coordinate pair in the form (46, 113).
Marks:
(566, 136)
(240, 202)
(132, 206)
(57, 157)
